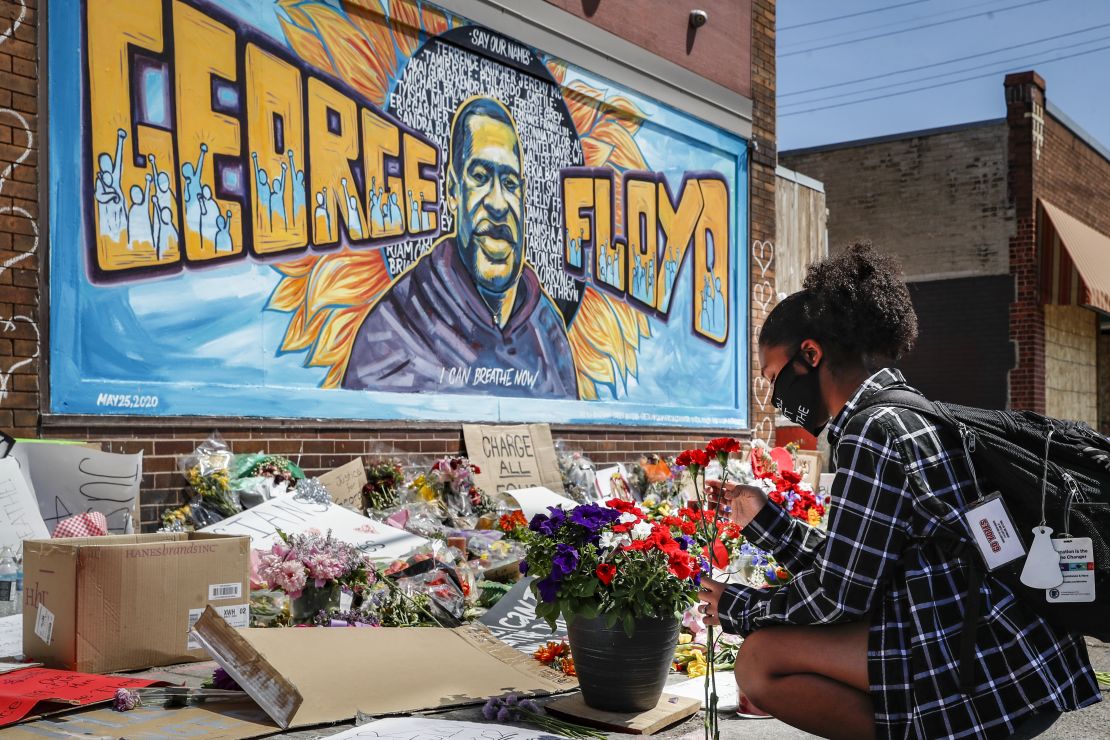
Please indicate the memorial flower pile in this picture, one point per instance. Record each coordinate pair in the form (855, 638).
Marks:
(453, 479)
(784, 486)
(612, 561)
(309, 560)
(383, 481)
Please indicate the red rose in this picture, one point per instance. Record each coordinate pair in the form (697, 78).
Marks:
(722, 446)
(606, 572)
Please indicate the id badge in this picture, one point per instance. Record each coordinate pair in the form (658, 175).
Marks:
(1077, 561)
(993, 531)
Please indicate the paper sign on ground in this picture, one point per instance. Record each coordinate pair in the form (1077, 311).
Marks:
(513, 620)
(71, 479)
(728, 695)
(21, 691)
(11, 636)
(295, 516)
(518, 456)
(536, 500)
(20, 518)
(317, 676)
(428, 728)
(345, 483)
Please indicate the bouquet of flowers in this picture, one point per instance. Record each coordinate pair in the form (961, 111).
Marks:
(453, 480)
(513, 525)
(579, 475)
(383, 480)
(610, 561)
(659, 482)
(774, 471)
(309, 561)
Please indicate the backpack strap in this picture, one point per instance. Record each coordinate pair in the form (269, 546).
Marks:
(903, 397)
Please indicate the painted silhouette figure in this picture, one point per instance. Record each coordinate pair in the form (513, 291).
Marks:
(298, 187)
(394, 211)
(167, 232)
(209, 212)
(111, 209)
(264, 193)
(718, 309)
(354, 223)
(223, 232)
(277, 198)
(139, 228)
(192, 190)
(377, 218)
(321, 219)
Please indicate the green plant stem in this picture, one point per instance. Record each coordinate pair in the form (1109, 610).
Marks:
(711, 532)
(559, 727)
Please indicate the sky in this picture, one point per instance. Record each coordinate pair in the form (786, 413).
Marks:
(1066, 41)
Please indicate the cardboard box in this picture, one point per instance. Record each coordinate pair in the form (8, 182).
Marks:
(124, 602)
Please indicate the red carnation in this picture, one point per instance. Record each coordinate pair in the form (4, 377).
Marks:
(699, 457)
(684, 459)
(777, 497)
(722, 446)
(606, 572)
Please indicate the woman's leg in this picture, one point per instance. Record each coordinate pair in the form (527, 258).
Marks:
(814, 678)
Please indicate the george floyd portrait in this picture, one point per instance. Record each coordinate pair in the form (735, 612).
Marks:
(471, 314)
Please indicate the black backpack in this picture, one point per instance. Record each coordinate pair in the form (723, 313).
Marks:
(1038, 464)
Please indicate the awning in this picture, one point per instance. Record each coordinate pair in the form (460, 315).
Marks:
(1075, 261)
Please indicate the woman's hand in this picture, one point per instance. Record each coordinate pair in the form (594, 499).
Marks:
(710, 595)
(739, 502)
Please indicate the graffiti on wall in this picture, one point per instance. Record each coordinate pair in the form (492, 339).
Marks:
(381, 210)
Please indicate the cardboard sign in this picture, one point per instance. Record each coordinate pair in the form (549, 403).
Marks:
(513, 456)
(21, 691)
(809, 464)
(536, 501)
(345, 484)
(513, 620)
(317, 676)
(432, 728)
(20, 518)
(71, 479)
(294, 516)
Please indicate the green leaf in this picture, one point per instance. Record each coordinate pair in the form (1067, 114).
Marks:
(629, 625)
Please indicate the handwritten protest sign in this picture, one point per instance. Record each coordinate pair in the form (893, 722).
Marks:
(21, 690)
(72, 479)
(519, 456)
(295, 516)
(345, 483)
(20, 518)
(513, 620)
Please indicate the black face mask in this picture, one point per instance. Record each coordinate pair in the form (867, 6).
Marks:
(798, 396)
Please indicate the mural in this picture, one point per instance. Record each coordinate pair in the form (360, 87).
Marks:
(377, 209)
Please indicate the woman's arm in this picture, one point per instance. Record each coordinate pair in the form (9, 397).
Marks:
(866, 536)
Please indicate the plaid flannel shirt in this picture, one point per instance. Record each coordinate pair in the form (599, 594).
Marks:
(876, 564)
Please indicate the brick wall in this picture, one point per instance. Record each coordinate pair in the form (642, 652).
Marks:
(1071, 363)
(1104, 382)
(19, 260)
(1074, 176)
(663, 27)
(937, 200)
(1024, 95)
(318, 447)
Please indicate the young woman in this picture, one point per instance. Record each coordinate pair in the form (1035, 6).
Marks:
(865, 641)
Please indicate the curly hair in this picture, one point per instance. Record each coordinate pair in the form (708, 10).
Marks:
(855, 304)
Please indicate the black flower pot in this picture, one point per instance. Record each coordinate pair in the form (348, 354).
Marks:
(618, 673)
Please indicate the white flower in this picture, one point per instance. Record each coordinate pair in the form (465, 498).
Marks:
(627, 518)
(612, 540)
(641, 531)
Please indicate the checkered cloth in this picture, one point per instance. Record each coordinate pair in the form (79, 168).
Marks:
(91, 524)
(877, 563)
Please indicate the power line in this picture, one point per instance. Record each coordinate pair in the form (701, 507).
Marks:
(941, 64)
(788, 46)
(939, 84)
(912, 28)
(1021, 61)
(851, 15)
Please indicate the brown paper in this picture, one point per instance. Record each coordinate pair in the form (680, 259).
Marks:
(345, 484)
(123, 602)
(510, 457)
(305, 677)
(224, 720)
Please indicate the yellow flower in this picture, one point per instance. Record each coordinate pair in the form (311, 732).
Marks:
(685, 639)
(697, 667)
(814, 518)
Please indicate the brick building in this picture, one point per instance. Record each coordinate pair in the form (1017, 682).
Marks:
(1003, 228)
(62, 98)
